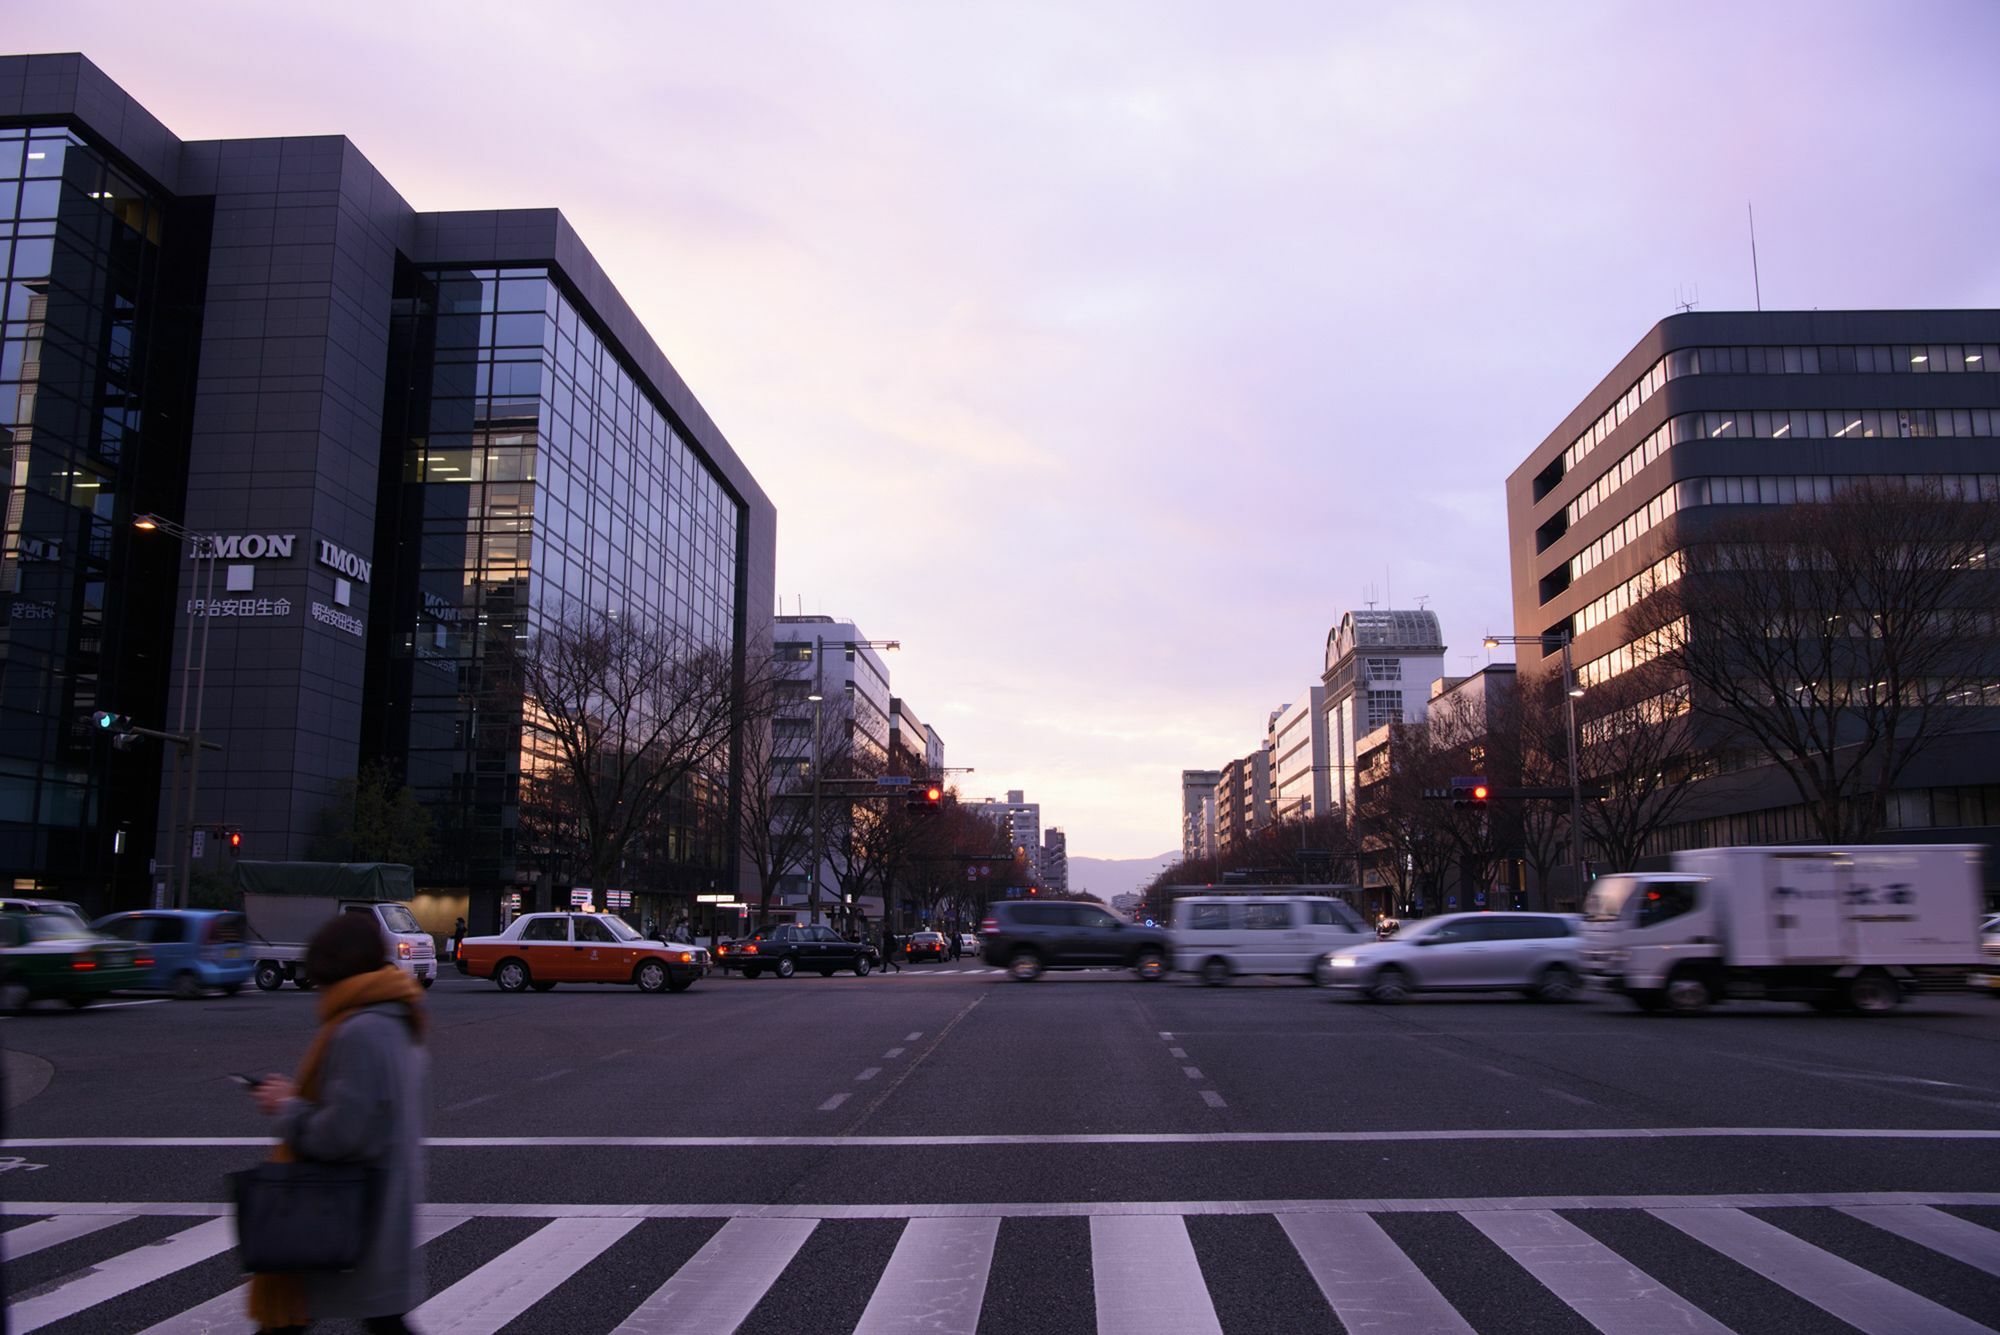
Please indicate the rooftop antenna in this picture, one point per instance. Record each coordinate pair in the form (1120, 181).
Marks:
(1369, 598)
(1423, 598)
(1756, 282)
(1471, 662)
(1686, 299)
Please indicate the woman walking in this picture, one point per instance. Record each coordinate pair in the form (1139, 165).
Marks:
(358, 1097)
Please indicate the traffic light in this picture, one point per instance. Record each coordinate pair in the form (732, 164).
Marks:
(235, 842)
(927, 799)
(116, 726)
(1471, 792)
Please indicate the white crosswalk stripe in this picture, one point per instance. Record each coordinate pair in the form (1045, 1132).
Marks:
(1146, 1267)
(1861, 1298)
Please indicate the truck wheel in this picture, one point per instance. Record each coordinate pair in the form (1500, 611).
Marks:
(1688, 994)
(269, 976)
(1215, 971)
(1151, 966)
(786, 968)
(512, 976)
(651, 976)
(187, 986)
(1390, 984)
(1873, 993)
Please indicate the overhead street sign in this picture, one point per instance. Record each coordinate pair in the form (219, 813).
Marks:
(892, 781)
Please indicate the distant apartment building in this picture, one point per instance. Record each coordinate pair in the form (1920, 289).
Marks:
(1714, 411)
(1296, 741)
(1242, 801)
(1379, 666)
(830, 658)
(1198, 812)
(1023, 821)
(1055, 862)
(914, 749)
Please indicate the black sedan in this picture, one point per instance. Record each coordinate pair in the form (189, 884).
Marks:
(786, 950)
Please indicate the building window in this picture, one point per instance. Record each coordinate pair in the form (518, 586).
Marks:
(1384, 708)
(1385, 669)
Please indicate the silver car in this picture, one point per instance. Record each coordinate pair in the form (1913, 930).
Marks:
(1535, 953)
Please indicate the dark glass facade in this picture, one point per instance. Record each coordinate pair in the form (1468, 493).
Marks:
(527, 472)
(94, 389)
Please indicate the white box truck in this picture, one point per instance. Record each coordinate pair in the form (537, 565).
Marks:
(284, 903)
(1838, 928)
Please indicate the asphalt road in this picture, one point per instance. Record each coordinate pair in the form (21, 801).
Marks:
(945, 1149)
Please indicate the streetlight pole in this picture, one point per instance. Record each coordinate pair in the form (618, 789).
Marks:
(189, 740)
(1572, 691)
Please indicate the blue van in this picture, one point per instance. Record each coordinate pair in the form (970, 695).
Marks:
(192, 950)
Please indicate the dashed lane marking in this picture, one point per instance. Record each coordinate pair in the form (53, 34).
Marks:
(869, 1074)
(1212, 1099)
(893, 1053)
(1191, 1072)
(834, 1102)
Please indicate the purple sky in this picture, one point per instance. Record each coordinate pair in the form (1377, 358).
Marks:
(1105, 353)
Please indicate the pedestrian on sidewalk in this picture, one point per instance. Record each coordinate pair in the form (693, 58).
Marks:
(358, 1097)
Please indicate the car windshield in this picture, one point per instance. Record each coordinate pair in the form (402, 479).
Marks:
(398, 919)
(1607, 899)
(54, 927)
(621, 929)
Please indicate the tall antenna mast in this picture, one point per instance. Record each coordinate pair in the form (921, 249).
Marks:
(1756, 282)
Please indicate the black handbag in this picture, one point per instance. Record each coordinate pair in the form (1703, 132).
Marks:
(303, 1216)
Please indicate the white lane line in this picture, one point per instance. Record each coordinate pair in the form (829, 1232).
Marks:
(834, 1102)
(1191, 1072)
(114, 1005)
(1060, 1138)
(472, 1103)
(1212, 1099)
(869, 1073)
(1494, 1070)
(228, 1313)
(1861, 1298)
(614, 1056)
(893, 1053)
(28, 1239)
(1603, 1287)
(1370, 1283)
(1147, 1280)
(1960, 1239)
(936, 1279)
(122, 1274)
(911, 1038)
(1568, 1097)
(1167, 1034)
(722, 1282)
(519, 1277)
(1178, 1054)
(1838, 1200)
(553, 1075)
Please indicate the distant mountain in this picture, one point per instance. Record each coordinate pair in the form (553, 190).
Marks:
(1106, 877)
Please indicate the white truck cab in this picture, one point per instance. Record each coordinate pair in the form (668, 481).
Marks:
(1855, 928)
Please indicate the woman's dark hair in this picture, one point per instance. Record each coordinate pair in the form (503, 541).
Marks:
(344, 946)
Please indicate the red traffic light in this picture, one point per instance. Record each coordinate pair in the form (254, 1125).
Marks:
(236, 841)
(933, 794)
(1479, 793)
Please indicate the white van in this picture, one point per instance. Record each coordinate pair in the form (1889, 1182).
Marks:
(1217, 937)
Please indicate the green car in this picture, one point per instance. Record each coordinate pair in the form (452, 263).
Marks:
(53, 955)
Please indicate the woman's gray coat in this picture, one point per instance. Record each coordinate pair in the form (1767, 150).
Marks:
(370, 1110)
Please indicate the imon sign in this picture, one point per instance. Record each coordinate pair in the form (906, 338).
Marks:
(247, 546)
(346, 562)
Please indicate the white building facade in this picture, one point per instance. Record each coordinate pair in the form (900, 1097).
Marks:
(1379, 667)
(1297, 745)
(1198, 812)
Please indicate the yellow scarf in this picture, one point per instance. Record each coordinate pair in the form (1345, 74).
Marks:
(277, 1300)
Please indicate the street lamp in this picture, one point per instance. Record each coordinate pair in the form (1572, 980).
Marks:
(1572, 692)
(818, 698)
(189, 739)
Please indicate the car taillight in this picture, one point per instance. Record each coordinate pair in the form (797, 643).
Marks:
(84, 964)
(749, 950)
(142, 960)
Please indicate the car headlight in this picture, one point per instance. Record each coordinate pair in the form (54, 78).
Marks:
(686, 957)
(1342, 962)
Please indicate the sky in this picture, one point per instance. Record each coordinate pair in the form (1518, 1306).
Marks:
(1104, 353)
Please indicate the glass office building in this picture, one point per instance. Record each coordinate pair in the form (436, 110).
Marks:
(395, 441)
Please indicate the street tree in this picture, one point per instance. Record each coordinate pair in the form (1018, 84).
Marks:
(1840, 638)
(373, 817)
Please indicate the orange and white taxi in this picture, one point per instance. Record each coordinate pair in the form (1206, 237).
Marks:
(539, 950)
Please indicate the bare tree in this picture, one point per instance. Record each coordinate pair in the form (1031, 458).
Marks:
(1841, 637)
(777, 788)
(619, 717)
(1634, 739)
(1538, 722)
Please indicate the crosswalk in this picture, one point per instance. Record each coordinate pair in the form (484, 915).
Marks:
(1881, 1263)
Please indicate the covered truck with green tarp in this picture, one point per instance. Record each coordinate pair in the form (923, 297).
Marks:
(284, 903)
